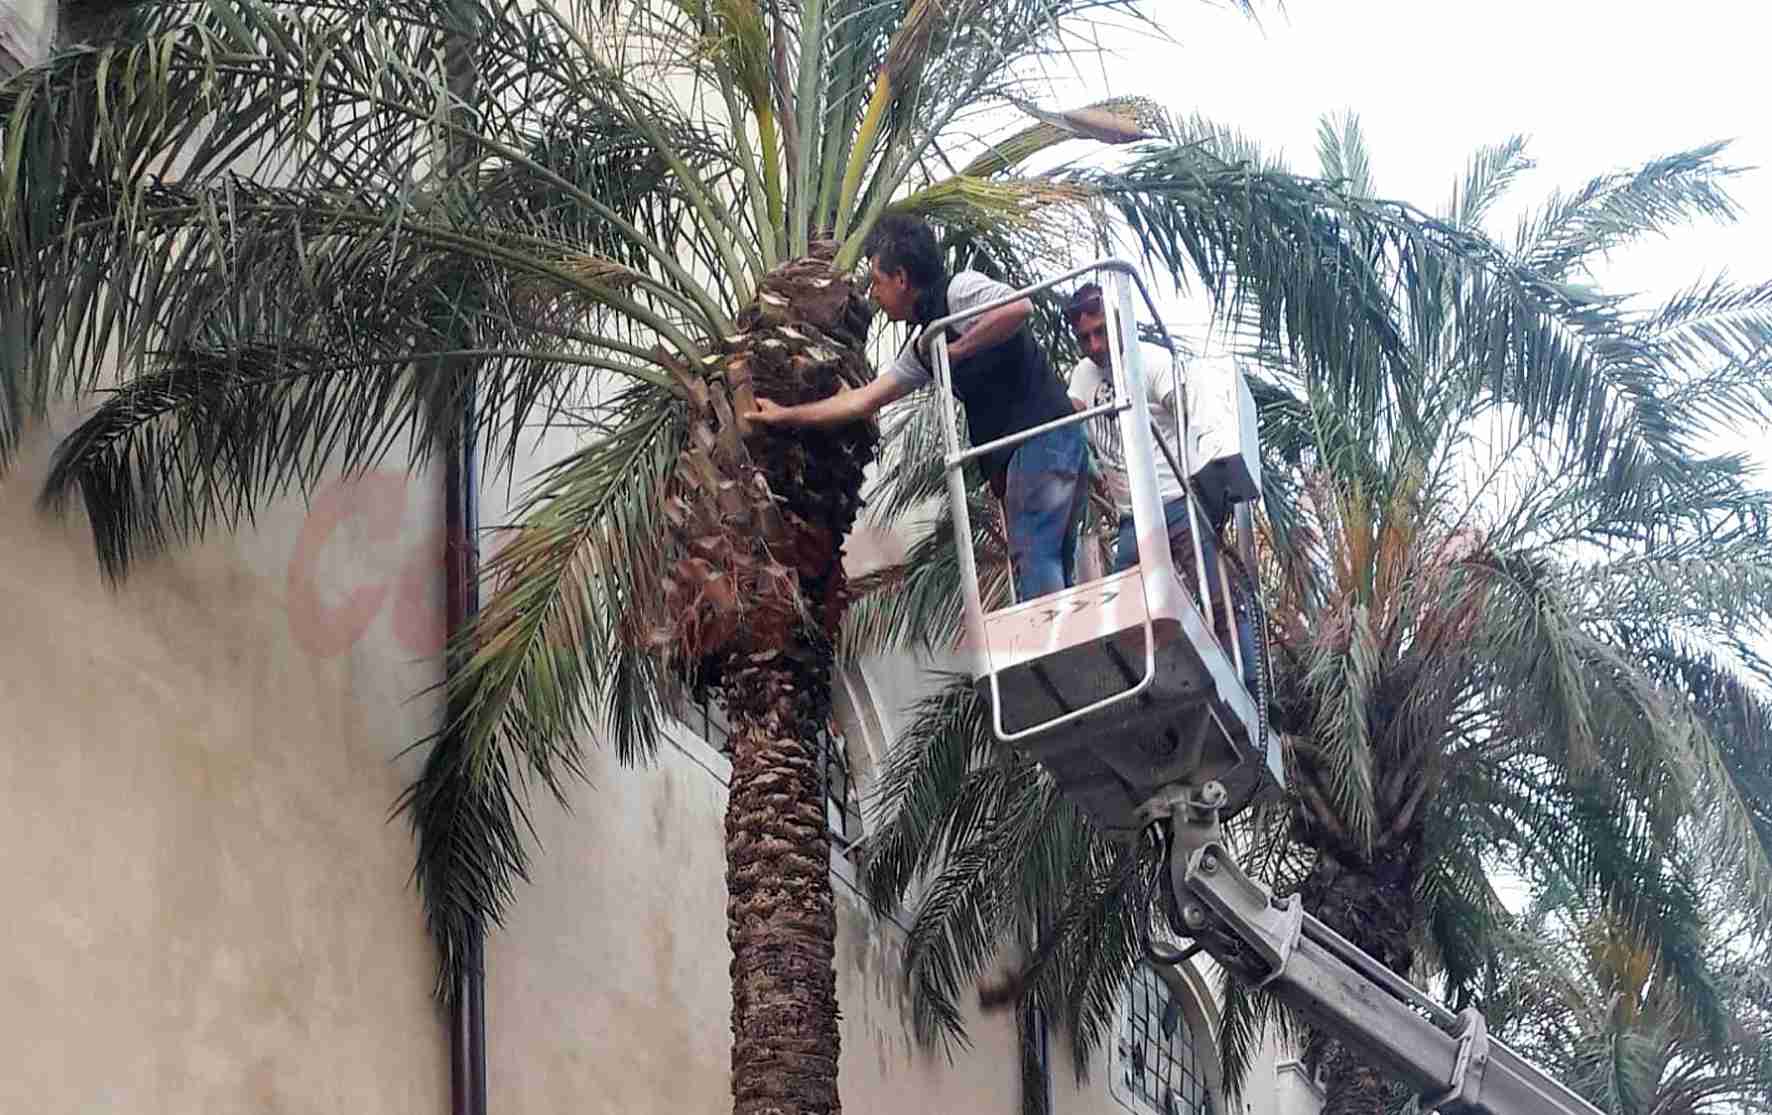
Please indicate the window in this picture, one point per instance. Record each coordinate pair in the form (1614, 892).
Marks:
(707, 720)
(1156, 1061)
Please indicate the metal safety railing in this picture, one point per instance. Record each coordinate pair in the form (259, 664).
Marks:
(1136, 442)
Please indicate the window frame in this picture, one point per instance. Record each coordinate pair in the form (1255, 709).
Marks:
(1196, 1065)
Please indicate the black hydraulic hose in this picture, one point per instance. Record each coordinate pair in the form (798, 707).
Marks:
(1258, 627)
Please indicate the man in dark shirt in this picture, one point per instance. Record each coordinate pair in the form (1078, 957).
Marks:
(1004, 380)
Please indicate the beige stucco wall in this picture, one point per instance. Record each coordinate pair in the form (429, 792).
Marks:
(26, 27)
(207, 906)
(213, 912)
(608, 987)
(211, 909)
(1294, 1092)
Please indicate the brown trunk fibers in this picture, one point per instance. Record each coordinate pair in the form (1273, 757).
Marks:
(748, 610)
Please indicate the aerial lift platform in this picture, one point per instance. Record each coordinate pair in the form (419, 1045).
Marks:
(1123, 691)
(1119, 684)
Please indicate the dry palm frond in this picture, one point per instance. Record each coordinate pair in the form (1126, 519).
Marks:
(1113, 121)
(1032, 205)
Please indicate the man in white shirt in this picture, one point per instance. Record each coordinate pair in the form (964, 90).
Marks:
(1005, 381)
(1212, 433)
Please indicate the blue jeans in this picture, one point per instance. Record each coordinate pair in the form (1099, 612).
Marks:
(1181, 549)
(1044, 491)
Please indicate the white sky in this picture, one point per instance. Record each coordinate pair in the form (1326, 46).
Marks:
(1594, 86)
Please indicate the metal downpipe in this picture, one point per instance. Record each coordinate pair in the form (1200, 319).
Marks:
(461, 526)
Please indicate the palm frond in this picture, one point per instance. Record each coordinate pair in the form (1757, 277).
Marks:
(1342, 156)
(1733, 747)
(981, 47)
(1491, 172)
(1612, 209)
(359, 253)
(1248, 1018)
(978, 840)
(915, 605)
(969, 202)
(547, 664)
(1115, 120)
(1577, 991)
(1341, 680)
(938, 746)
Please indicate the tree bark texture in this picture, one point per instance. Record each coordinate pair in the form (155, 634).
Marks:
(752, 601)
(781, 921)
(1371, 902)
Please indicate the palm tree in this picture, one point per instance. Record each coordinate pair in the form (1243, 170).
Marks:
(1506, 582)
(298, 239)
(1580, 992)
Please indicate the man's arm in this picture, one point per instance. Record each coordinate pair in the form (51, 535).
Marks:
(1081, 384)
(990, 329)
(852, 405)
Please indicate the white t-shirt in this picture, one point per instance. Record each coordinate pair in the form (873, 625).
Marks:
(965, 290)
(1211, 418)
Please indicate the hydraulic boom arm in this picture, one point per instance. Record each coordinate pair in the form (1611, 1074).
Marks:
(1448, 1058)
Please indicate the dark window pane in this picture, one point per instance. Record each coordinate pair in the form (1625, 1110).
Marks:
(1159, 1068)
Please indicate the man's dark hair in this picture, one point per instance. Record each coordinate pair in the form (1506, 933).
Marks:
(904, 243)
(1086, 299)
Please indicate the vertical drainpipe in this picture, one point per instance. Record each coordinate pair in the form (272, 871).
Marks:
(461, 527)
(1034, 1043)
(461, 532)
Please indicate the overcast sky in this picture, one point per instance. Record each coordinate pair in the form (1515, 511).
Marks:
(1593, 86)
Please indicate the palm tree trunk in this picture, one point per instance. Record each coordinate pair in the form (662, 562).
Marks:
(1350, 1085)
(781, 921)
(1371, 902)
(751, 612)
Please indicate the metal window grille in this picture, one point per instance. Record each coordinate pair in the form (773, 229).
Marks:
(842, 810)
(1157, 1067)
(707, 721)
